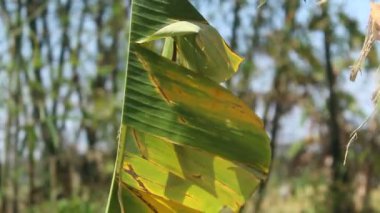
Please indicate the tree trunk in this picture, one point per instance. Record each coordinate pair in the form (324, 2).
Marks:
(340, 186)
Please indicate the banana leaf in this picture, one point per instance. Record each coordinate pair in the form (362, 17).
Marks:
(186, 143)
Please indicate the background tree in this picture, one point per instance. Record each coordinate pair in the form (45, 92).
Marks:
(61, 73)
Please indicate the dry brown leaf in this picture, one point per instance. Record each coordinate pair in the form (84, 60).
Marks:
(373, 34)
(375, 16)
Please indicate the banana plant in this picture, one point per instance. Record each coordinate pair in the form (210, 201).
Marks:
(186, 143)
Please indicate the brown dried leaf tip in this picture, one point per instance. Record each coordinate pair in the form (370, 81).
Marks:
(373, 34)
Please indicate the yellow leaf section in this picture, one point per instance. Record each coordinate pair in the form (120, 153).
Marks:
(152, 179)
(225, 180)
(235, 59)
(156, 204)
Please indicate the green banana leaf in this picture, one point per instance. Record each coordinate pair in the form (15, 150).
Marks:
(186, 144)
(200, 48)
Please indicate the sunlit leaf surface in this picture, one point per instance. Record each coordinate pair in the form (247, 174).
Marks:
(187, 144)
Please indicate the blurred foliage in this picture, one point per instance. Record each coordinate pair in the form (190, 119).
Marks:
(61, 78)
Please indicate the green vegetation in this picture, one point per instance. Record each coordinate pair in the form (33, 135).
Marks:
(188, 139)
(186, 144)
